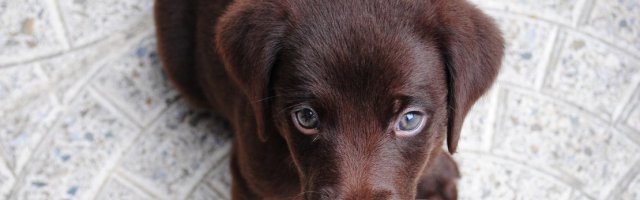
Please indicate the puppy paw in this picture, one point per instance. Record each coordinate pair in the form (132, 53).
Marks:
(439, 183)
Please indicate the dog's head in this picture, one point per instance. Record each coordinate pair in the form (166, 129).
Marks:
(363, 92)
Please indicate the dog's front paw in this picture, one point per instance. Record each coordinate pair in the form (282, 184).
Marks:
(439, 183)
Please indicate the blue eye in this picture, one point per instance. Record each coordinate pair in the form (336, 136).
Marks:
(410, 121)
(307, 118)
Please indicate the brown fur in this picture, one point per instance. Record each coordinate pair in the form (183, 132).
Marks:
(357, 63)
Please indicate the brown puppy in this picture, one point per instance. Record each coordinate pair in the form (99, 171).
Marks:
(345, 99)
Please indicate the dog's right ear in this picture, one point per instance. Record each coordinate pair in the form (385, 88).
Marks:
(472, 47)
(248, 38)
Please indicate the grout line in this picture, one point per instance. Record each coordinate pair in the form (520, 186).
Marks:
(558, 177)
(550, 53)
(590, 35)
(491, 123)
(129, 185)
(567, 105)
(627, 101)
(623, 183)
(59, 24)
(582, 12)
(210, 165)
(139, 183)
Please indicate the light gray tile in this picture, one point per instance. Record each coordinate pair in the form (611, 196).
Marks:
(220, 178)
(116, 190)
(171, 156)
(92, 20)
(474, 133)
(527, 41)
(136, 82)
(27, 31)
(203, 192)
(82, 145)
(592, 75)
(487, 178)
(565, 12)
(632, 190)
(563, 141)
(6, 181)
(617, 22)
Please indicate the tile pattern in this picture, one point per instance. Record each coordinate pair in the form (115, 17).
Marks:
(28, 30)
(88, 114)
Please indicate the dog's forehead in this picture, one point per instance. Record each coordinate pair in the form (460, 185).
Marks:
(374, 64)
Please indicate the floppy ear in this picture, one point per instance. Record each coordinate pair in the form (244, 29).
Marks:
(472, 47)
(248, 39)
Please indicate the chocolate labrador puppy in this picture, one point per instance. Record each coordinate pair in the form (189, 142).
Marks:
(334, 99)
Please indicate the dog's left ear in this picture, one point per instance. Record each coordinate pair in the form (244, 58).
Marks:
(248, 39)
(472, 48)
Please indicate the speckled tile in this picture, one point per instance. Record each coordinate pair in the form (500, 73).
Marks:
(633, 120)
(527, 40)
(487, 178)
(82, 144)
(473, 135)
(565, 11)
(136, 82)
(170, 157)
(20, 80)
(93, 20)
(26, 112)
(203, 192)
(564, 141)
(114, 189)
(632, 191)
(6, 180)
(220, 178)
(70, 71)
(24, 123)
(592, 75)
(618, 22)
(27, 30)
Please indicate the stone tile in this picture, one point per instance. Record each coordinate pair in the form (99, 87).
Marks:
(220, 178)
(83, 143)
(473, 135)
(565, 12)
(6, 181)
(92, 20)
(27, 30)
(527, 41)
(136, 82)
(24, 123)
(632, 191)
(177, 152)
(633, 120)
(20, 80)
(203, 192)
(563, 141)
(26, 111)
(487, 178)
(617, 22)
(69, 71)
(114, 189)
(592, 75)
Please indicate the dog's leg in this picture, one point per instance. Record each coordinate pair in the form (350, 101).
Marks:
(439, 182)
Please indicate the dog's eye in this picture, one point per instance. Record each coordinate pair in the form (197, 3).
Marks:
(306, 120)
(410, 123)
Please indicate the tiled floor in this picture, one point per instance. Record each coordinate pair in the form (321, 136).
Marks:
(85, 112)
